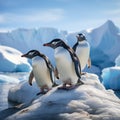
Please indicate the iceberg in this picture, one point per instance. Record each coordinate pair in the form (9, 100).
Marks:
(23, 93)
(117, 61)
(102, 54)
(11, 61)
(111, 78)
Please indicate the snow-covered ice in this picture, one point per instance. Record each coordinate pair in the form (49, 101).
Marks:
(111, 78)
(90, 101)
(11, 61)
(23, 93)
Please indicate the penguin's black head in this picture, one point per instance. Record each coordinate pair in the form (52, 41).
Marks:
(31, 54)
(81, 37)
(55, 43)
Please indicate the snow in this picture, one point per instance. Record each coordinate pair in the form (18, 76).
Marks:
(111, 78)
(23, 93)
(90, 101)
(11, 61)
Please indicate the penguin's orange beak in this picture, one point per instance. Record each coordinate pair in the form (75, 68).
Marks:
(46, 44)
(23, 55)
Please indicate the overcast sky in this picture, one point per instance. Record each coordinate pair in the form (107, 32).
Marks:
(70, 15)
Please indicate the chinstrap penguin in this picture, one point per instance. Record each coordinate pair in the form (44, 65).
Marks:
(82, 49)
(43, 71)
(67, 64)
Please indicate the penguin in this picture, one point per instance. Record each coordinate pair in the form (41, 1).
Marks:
(82, 49)
(43, 71)
(67, 64)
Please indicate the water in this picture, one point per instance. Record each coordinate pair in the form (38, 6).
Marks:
(4, 88)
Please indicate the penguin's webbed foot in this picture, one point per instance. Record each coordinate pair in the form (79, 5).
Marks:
(79, 82)
(83, 73)
(62, 88)
(44, 89)
(54, 85)
(30, 84)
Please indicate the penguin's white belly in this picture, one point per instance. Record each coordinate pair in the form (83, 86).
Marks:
(65, 66)
(41, 72)
(83, 55)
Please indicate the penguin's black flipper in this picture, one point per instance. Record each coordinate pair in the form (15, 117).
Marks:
(89, 62)
(76, 62)
(76, 65)
(56, 73)
(79, 82)
(50, 67)
(75, 46)
(31, 78)
(77, 68)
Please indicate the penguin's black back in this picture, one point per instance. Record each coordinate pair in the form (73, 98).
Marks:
(75, 60)
(49, 65)
(75, 46)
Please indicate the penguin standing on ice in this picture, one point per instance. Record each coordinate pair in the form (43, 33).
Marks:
(67, 64)
(43, 71)
(82, 49)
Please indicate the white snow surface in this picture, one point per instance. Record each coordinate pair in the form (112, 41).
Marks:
(11, 61)
(23, 93)
(90, 101)
(111, 77)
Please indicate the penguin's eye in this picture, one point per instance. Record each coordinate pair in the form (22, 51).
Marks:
(54, 43)
(31, 53)
(81, 36)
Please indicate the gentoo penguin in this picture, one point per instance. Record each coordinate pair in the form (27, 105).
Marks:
(67, 63)
(43, 70)
(82, 49)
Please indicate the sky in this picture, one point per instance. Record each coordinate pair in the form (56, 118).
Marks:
(70, 15)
